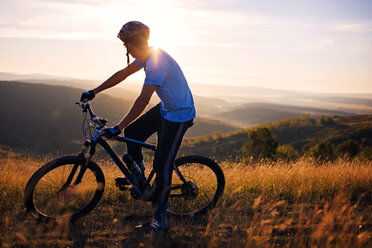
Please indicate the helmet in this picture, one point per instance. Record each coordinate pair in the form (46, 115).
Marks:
(134, 31)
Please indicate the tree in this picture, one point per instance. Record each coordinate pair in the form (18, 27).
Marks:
(348, 148)
(287, 153)
(366, 153)
(262, 144)
(326, 120)
(322, 151)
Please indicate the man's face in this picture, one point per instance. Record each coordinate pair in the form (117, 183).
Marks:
(131, 49)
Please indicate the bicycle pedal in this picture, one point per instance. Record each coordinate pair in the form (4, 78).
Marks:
(123, 188)
(122, 183)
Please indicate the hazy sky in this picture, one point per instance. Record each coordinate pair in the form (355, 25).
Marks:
(314, 45)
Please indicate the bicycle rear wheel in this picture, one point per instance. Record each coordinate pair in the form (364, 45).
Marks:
(47, 196)
(196, 186)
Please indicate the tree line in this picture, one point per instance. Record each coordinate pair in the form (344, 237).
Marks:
(263, 144)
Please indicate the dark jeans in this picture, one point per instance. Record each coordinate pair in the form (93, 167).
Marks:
(170, 135)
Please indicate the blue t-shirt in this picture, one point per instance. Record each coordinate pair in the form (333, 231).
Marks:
(177, 104)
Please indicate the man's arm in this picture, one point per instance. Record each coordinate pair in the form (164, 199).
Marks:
(138, 106)
(117, 77)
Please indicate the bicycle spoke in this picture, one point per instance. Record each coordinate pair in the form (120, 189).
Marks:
(50, 199)
(50, 184)
(196, 193)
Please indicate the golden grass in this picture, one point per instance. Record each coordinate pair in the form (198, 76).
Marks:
(300, 204)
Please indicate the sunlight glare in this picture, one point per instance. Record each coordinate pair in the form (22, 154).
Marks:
(167, 28)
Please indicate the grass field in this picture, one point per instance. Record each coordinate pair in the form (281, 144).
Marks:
(300, 204)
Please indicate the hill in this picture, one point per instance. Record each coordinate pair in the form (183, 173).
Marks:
(44, 118)
(294, 131)
(242, 105)
(252, 114)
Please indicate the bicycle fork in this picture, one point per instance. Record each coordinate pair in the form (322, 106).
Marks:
(83, 168)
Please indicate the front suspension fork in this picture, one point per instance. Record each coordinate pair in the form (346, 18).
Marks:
(83, 168)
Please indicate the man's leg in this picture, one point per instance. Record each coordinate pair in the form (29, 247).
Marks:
(170, 136)
(141, 129)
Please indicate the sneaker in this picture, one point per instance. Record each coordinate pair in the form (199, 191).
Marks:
(157, 225)
(151, 226)
(160, 220)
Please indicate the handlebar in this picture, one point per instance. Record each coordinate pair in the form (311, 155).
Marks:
(101, 122)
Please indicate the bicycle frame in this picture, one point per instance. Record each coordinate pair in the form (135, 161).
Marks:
(97, 139)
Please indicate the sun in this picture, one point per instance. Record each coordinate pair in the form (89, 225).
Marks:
(167, 26)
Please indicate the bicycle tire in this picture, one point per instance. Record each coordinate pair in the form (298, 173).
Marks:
(199, 165)
(45, 174)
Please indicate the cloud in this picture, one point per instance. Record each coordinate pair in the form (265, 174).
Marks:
(173, 23)
(360, 28)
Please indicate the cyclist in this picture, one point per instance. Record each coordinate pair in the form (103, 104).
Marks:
(170, 118)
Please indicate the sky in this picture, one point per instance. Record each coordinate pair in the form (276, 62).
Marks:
(322, 46)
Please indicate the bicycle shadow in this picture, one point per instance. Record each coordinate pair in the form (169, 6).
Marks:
(78, 235)
(123, 234)
(126, 235)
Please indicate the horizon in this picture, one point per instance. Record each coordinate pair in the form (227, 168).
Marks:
(138, 83)
(317, 46)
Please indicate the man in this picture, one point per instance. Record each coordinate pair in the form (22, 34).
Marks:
(170, 118)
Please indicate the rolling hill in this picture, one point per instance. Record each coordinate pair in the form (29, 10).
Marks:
(41, 117)
(44, 118)
(242, 105)
(294, 131)
(252, 114)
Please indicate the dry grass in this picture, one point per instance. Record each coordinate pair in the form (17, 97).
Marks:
(301, 204)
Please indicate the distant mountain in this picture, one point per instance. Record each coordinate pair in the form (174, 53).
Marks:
(6, 76)
(128, 90)
(297, 132)
(45, 118)
(213, 99)
(208, 106)
(234, 93)
(252, 114)
(361, 99)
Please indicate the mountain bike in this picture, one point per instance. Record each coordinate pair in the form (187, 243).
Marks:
(71, 186)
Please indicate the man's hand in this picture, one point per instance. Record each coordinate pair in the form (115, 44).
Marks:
(112, 131)
(88, 95)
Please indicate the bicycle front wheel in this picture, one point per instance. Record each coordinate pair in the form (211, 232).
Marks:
(53, 191)
(197, 184)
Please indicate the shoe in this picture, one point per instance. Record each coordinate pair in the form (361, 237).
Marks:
(151, 226)
(157, 225)
(160, 220)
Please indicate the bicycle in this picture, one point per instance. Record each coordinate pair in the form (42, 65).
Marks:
(71, 186)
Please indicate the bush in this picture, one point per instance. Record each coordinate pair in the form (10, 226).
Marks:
(262, 145)
(326, 120)
(349, 148)
(366, 153)
(287, 153)
(323, 151)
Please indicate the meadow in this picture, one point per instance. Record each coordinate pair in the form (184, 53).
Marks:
(266, 204)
